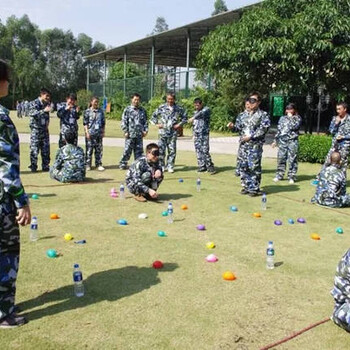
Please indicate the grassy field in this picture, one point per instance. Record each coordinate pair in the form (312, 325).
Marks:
(187, 304)
(112, 128)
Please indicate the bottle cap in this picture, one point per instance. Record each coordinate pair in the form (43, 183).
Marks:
(34, 217)
(76, 266)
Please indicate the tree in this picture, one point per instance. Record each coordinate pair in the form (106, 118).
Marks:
(289, 45)
(219, 7)
(160, 26)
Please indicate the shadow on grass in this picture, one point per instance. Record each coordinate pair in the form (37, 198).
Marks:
(306, 177)
(42, 195)
(110, 285)
(278, 188)
(278, 263)
(194, 168)
(47, 237)
(172, 196)
(91, 180)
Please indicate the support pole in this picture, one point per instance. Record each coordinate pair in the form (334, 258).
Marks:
(124, 86)
(88, 76)
(104, 77)
(152, 71)
(188, 63)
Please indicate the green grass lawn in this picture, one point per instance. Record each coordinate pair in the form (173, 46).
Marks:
(187, 304)
(112, 128)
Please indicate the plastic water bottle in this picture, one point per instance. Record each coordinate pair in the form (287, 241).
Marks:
(264, 202)
(121, 191)
(34, 236)
(170, 213)
(198, 183)
(78, 281)
(270, 256)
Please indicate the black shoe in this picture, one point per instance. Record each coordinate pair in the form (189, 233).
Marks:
(12, 321)
(211, 171)
(45, 170)
(122, 167)
(244, 191)
(201, 170)
(33, 169)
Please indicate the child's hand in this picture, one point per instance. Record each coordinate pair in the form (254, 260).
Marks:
(273, 144)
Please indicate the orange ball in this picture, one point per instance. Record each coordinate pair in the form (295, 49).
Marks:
(54, 216)
(228, 276)
(257, 215)
(184, 207)
(315, 236)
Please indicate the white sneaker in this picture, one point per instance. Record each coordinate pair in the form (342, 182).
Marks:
(88, 168)
(170, 170)
(276, 179)
(291, 181)
(100, 168)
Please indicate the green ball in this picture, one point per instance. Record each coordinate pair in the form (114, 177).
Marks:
(161, 234)
(339, 230)
(165, 213)
(51, 253)
(35, 196)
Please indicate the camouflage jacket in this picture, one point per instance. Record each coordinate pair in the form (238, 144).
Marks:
(288, 128)
(341, 289)
(70, 161)
(39, 120)
(134, 121)
(341, 129)
(201, 122)
(169, 117)
(68, 118)
(331, 186)
(95, 121)
(256, 125)
(141, 174)
(11, 188)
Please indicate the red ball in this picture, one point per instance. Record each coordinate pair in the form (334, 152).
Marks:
(157, 264)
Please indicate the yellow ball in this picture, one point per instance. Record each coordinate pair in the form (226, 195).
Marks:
(68, 237)
(210, 245)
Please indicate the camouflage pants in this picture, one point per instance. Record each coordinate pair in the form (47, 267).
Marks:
(344, 154)
(341, 316)
(95, 144)
(287, 151)
(250, 165)
(335, 201)
(167, 143)
(239, 161)
(146, 179)
(39, 142)
(201, 145)
(9, 261)
(62, 142)
(62, 176)
(132, 144)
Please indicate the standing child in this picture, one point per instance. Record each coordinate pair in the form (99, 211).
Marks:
(94, 125)
(287, 141)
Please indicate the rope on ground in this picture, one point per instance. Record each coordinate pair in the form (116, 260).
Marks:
(295, 334)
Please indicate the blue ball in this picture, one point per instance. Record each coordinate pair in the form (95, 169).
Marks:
(51, 253)
(233, 208)
(181, 180)
(161, 234)
(122, 222)
(291, 221)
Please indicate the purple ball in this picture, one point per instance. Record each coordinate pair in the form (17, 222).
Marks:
(200, 227)
(278, 222)
(301, 220)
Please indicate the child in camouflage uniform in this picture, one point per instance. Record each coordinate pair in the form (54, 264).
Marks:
(287, 141)
(69, 165)
(94, 125)
(135, 127)
(14, 211)
(145, 175)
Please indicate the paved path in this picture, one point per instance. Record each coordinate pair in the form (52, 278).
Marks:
(221, 145)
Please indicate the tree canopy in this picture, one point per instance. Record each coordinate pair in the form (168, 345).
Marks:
(219, 7)
(160, 26)
(289, 45)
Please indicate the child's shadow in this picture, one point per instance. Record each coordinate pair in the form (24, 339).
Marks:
(108, 285)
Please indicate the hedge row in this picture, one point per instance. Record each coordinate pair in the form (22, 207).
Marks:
(314, 148)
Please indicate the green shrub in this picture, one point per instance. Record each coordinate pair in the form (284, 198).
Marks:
(314, 148)
(119, 102)
(84, 98)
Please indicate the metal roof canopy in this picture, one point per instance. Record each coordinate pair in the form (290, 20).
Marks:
(177, 47)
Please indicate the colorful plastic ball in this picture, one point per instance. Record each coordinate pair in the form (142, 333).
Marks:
(68, 237)
(290, 221)
(161, 234)
(35, 196)
(339, 230)
(257, 215)
(228, 276)
(114, 194)
(210, 245)
(143, 216)
(301, 220)
(122, 222)
(51, 253)
(211, 258)
(233, 208)
(184, 207)
(200, 227)
(278, 222)
(315, 236)
(157, 264)
(165, 213)
(181, 180)
(54, 216)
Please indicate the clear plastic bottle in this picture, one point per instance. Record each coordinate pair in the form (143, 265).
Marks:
(34, 235)
(122, 191)
(78, 281)
(264, 202)
(270, 256)
(170, 213)
(198, 183)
